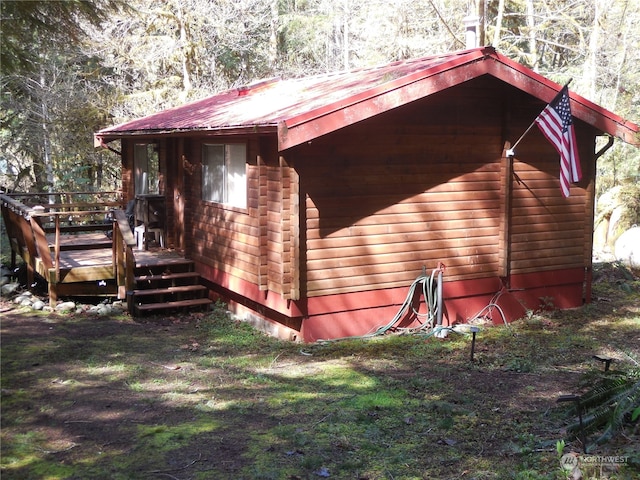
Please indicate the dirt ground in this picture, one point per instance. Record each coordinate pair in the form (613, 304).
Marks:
(69, 405)
(76, 413)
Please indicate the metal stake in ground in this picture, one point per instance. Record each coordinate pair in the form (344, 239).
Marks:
(474, 330)
(576, 399)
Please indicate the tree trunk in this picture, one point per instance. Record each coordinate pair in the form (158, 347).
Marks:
(531, 27)
(345, 35)
(496, 33)
(187, 57)
(273, 36)
(590, 68)
(46, 142)
(482, 15)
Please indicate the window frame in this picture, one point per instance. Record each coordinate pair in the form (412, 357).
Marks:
(231, 194)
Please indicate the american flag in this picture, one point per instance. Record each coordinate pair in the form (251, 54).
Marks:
(557, 125)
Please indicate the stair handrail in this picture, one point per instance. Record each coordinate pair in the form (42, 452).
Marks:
(17, 220)
(123, 257)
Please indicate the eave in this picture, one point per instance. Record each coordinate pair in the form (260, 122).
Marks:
(305, 127)
(301, 110)
(102, 138)
(540, 87)
(472, 64)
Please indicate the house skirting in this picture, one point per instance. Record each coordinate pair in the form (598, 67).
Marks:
(359, 313)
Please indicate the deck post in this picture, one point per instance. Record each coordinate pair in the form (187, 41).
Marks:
(124, 259)
(53, 288)
(57, 248)
(130, 264)
(117, 257)
(118, 260)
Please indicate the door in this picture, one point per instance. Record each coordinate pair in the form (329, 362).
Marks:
(146, 168)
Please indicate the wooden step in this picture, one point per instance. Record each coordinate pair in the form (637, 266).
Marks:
(169, 290)
(177, 304)
(167, 276)
(146, 260)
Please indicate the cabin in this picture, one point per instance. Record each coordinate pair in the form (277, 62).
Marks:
(311, 205)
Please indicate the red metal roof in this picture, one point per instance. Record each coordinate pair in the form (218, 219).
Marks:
(304, 108)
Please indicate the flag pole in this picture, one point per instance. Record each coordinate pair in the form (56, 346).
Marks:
(511, 151)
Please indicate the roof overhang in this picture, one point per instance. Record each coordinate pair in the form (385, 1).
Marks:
(301, 110)
(304, 128)
(486, 61)
(538, 86)
(100, 139)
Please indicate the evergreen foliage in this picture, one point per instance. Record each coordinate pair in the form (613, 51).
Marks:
(611, 404)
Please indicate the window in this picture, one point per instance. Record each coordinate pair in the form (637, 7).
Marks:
(146, 168)
(224, 174)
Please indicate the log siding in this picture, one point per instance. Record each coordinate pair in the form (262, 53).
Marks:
(392, 196)
(223, 237)
(259, 244)
(548, 229)
(399, 195)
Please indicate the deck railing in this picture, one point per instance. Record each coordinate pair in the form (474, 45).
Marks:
(123, 258)
(27, 226)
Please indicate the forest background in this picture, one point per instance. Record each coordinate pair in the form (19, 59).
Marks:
(70, 68)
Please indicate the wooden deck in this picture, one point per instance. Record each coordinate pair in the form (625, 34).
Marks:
(67, 243)
(95, 250)
(78, 252)
(80, 241)
(103, 258)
